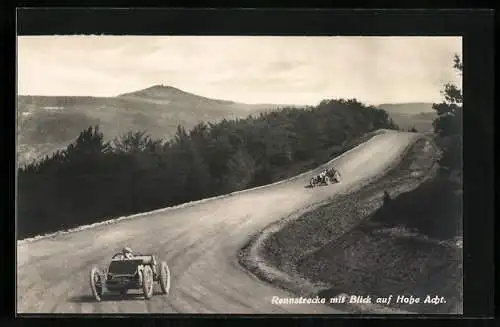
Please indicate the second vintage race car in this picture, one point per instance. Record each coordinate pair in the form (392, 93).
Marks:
(138, 271)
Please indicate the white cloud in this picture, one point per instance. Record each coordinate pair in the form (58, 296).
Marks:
(246, 69)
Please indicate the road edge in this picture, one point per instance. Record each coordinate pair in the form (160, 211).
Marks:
(250, 260)
(192, 203)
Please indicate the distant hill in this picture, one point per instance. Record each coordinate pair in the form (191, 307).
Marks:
(48, 123)
(407, 108)
(406, 115)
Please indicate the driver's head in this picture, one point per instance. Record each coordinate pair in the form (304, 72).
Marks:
(127, 252)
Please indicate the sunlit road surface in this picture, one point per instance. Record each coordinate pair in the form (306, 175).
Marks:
(200, 244)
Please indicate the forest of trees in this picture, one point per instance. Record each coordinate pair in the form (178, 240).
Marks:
(93, 180)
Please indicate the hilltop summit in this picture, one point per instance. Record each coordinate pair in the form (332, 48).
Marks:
(165, 92)
(155, 90)
(158, 109)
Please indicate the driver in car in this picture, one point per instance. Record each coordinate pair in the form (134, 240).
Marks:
(127, 253)
(322, 175)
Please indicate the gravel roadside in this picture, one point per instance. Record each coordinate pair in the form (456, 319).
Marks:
(335, 248)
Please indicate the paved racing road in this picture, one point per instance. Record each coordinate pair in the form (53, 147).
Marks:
(199, 242)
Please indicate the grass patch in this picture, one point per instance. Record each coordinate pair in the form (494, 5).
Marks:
(381, 264)
(433, 208)
(396, 252)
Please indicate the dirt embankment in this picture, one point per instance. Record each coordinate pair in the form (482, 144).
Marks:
(355, 245)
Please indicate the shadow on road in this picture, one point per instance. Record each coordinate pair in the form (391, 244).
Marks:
(110, 297)
(321, 185)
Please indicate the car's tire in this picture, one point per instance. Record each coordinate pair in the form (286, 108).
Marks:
(336, 177)
(96, 283)
(327, 180)
(164, 278)
(147, 282)
(312, 182)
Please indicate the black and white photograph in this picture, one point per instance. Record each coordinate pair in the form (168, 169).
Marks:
(234, 174)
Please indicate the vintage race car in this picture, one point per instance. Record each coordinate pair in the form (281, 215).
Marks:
(318, 180)
(331, 175)
(138, 272)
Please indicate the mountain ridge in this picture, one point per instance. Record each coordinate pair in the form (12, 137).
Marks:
(406, 115)
(160, 90)
(48, 123)
(409, 107)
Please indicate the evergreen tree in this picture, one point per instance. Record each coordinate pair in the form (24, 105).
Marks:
(448, 124)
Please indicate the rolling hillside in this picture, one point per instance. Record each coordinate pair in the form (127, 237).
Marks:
(407, 115)
(47, 123)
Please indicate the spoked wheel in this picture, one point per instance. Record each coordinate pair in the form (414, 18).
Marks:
(327, 180)
(337, 178)
(312, 182)
(147, 282)
(96, 283)
(164, 278)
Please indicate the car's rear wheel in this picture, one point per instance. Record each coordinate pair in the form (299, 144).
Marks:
(164, 278)
(96, 283)
(147, 282)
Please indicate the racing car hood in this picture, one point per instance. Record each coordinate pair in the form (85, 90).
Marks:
(129, 266)
(146, 259)
(124, 267)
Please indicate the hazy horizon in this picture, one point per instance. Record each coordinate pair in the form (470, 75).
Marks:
(187, 91)
(246, 69)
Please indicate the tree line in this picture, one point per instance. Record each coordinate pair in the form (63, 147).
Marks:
(448, 124)
(92, 179)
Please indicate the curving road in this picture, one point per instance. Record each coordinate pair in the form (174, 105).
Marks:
(199, 242)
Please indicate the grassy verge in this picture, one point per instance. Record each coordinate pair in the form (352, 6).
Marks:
(337, 248)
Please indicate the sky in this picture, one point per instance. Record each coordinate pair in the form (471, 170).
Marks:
(248, 69)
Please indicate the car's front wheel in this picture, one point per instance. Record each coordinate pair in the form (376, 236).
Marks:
(164, 278)
(96, 283)
(147, 282)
